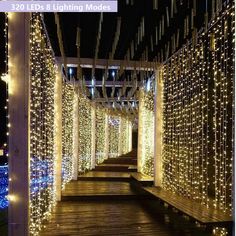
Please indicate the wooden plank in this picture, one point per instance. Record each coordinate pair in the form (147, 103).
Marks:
(75, 136)
(58, 134)
(110, 164)
(121, 160)
(191, 208)
(90, 188)
(141, 177)
(103, 175)
(158, 127)
(112, 168)
(111, 64)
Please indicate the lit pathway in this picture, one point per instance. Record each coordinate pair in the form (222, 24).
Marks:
(102, 203)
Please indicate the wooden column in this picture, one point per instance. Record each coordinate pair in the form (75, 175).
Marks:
(19, 119)
(130, 136)
(93, 141)
(75, 135)
(106, 148)
(158, 128)
(58, 134)
(140, 126)
(120, 151)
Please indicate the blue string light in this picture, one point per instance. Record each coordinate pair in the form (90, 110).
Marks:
(3, 186)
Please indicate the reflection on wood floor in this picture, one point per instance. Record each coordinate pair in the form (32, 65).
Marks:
(102, 203)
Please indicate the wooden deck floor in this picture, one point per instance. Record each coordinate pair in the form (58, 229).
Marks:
(97, 188)
(94, 206)
(103, 218)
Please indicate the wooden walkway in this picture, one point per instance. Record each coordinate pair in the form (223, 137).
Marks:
(126, 218)
(102, 203)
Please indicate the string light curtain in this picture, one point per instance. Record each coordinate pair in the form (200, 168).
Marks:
(84, 133)
(101, 129)
(198, 116)
(113, 127)
(125, 136)
(146, 132)
(42, 84)
(67, 132)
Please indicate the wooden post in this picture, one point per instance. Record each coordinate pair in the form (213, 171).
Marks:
(93, 139)
(158, 129)
(58, 134)
(130, 136)
(75, 136)
(106, 148)
(19, 119)
(140, 126)
(120, 148)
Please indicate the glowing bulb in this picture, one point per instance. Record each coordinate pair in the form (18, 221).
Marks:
(70, 71)
(148, 85)
(5, 78)
(92, 91)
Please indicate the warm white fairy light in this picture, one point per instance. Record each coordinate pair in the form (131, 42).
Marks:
(113, 127)
(100, 143)
(120, 134)
(146, 123)
(84, 133)
(198, 117)
(125, 136)
(223, 68)
(5, 78)
(67, 132)
(42, 83)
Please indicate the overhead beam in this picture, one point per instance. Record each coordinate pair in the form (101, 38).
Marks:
(112, 64)
(60, 40)
(115, 99)
(117, 84)
(98, 41)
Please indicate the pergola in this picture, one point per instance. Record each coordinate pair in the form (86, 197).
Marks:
(184, 92)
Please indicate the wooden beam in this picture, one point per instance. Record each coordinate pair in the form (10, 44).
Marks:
(112, 64)
(58, 134)
(79, 73)
(60, 40)
(97, 43)
(117, 35)
(106, 147)
(158, 129)
(114, 99)
(140, 130)
(75, 134)
(19, 119)
(93, 136)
